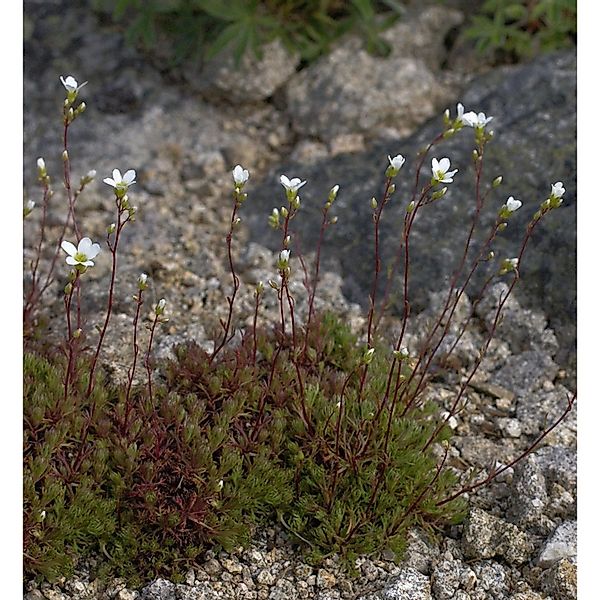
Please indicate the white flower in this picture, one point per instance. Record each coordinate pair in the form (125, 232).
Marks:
(220, 484)
(441, 172)
(41, 164)
(71, 85)
(142, 281)
(240, 175)
(83, 254)
(476, 119)
(397, 161)
(558, 190)
(512, 204)
(460, 114)
(284, 256)
(291, 185)
(121, 183)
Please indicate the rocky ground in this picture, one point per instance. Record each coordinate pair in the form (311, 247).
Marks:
(183, 131)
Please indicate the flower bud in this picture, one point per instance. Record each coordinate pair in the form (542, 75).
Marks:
(410, 207)
(65, 156)
(497, 181)
(41, 165)
(373, 203)
(260, 288)
(77, 333)
(274, 285)
(142, 281)
(449, 133)
(286, 241)
(333, 220)
(368, 356)
(29, 206)
(439, 194)
(160, 307)
(333, 193)
(284, 212)
(111, 228)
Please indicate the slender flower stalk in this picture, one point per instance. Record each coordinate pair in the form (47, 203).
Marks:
(139, 301)
(125, 214)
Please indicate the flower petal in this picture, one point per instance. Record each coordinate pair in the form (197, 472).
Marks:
(93, 251)
(110, 181)
(129, 177)
(68, 247)
(117, 176)
(84, 245)
(71, 261)
(444, 164)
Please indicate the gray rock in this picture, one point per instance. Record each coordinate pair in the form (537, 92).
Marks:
(560, 581)
(487, 536)
(159, 589)
(524, 329)
(540, 409)
(349, 90)
(253, 80)
(534, 120)
(525, 373)
(408, 585)
(561, 544)
(419, 552)
(492, 578)
(559, 465)
(528, 492)
(446, 579)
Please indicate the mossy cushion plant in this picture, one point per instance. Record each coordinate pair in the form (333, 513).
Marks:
(303, 423)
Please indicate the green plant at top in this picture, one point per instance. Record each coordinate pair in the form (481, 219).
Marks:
(206, 27)
(302, 421)
(517, 29)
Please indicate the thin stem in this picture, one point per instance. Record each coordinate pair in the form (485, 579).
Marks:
(147, 359)
(113, 250)
(131, 374)
(236, 284)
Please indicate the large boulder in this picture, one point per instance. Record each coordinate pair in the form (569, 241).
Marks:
(534, 110)
(351, 91)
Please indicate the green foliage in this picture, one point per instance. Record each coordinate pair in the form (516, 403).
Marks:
(517, 29)
(219, 450)
(205, 27)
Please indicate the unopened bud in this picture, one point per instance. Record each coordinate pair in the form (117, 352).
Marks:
(160, 307)
(439, 194)
(111, 228)
(142, 281)
(284, 212)
(449, 133)
(68, 288)
(65, 155)
(497, 181)
(410, 207)
(373, 203)
(368, 356)
(286, 241)
(274, 284)
(260, 287)
(333, 193)
(77, 333)
(333, 220)
(475, 155)
(29, 206)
